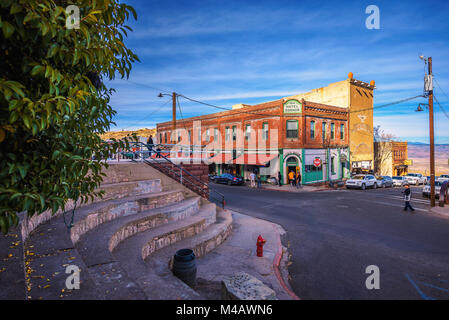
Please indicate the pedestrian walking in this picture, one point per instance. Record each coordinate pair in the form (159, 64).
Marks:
(259, 182)
(279, 179)
(252, 178)
(407, 197)
(290, 177)
(298, 180)
(150, 145)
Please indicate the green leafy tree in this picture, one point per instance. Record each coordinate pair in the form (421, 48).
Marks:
(53, 103)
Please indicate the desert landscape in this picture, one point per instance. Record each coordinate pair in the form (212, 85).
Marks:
(419, 153)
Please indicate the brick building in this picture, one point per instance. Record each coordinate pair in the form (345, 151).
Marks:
(278, 136)
(391, 158)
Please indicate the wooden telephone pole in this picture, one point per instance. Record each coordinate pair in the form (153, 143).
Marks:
(429, 89)
(174, 135)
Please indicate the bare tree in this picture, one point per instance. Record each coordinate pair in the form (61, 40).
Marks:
(383, 150)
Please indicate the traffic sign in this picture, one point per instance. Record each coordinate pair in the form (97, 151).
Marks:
(317, 162)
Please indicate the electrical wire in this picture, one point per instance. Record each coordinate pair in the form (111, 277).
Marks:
(150, 114)
(146, 85)
(441, 107)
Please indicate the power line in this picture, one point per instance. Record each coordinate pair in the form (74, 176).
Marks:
(441, 107)
(150, 114)
(146, 85)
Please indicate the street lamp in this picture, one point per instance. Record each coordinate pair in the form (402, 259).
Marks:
(173, 95)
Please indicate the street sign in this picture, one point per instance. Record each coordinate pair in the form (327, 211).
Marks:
(317, 162)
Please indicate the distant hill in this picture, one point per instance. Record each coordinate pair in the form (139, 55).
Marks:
(420, 154)
(145, 132)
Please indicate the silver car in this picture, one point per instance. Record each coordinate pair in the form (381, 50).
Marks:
(399, 181)
(415, 178)
(426, 189)
(362, 181)
(384, 181)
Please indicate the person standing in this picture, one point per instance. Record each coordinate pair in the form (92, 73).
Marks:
(150, 145)
(259, 181)
(298, 180)
(252, 178)
(279, 179)
(407, 197)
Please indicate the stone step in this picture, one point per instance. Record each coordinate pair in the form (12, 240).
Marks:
(127, 189)
(162, 260)
(49, 248)
(132, 252)
(89, 217)
(96, 245)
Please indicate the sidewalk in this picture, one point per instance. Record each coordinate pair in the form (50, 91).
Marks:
(444, 211)
(238, 253)
(304, 188)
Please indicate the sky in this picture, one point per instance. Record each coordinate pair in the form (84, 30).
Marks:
(229, 52)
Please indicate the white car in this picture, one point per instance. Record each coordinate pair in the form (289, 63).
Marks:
(362, 181)
(442, 178)
(399, 181)
(415, 178)
(426, 189)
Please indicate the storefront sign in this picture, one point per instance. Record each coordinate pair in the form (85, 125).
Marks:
(317, 162)
(292, 106)
(408, 162)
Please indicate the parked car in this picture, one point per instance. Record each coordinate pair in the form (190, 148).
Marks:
(212, 176)
(415, 178)
(399, 181)
(362, 181)
(442, 178)
(384, 181)
(229, 179)
(426, 189)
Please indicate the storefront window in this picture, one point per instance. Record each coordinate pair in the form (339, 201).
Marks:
(332, 130)
(292, 128)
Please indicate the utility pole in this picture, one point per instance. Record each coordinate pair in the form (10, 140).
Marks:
(432, 146)
(174, 135)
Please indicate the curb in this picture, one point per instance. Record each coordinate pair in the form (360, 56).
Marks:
(277, 272)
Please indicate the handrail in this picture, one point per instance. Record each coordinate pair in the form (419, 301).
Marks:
(203, 186)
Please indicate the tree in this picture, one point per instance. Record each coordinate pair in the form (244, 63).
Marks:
(53, 103)
(383, 149)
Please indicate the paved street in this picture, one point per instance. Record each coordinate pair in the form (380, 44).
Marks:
(333, 236)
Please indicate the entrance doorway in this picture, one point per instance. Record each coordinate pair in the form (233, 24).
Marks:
(292, 165)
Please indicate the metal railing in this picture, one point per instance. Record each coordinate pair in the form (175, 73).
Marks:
(163, 164)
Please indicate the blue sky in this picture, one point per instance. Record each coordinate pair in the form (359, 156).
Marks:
(228, 52)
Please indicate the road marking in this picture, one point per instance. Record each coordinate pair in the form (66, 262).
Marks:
(393, 205)
(418, 289)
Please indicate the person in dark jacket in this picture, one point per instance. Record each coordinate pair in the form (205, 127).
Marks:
(150, 144)
(407, 198)
(279, 179)
(298, 180)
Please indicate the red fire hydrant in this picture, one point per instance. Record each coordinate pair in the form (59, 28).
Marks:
(260, 242)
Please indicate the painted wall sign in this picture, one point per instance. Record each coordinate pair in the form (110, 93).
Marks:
(292, 106)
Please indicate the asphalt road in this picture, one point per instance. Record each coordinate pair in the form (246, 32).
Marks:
(333, 236)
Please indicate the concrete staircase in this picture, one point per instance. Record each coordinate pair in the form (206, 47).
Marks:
(123, 244)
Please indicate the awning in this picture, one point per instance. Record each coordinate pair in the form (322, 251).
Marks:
(254, 159)
(220, 158)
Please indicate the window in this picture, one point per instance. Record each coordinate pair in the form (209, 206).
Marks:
(199, 135)
(228, 134)
(234, 133)
(165, 137)
(179, 136)
(247, 132)
(342, 131)
(312, 129)
(312, 168)
(160, 137)
(324, 131)
(292, 128)
(215, 134)
(207, 135)
(333, 165)
(265, 131)
(190, 136)
(332, 130)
